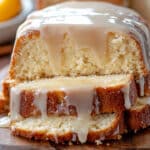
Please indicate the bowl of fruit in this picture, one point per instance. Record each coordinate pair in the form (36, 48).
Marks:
(12, 14)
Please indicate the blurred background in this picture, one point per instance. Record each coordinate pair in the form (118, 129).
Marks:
(14, 12)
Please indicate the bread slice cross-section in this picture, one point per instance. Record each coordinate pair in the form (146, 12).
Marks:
(70, 95)
(66, 129)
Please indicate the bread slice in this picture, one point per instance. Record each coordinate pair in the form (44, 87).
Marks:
(70, 95)
(64, 129)
(138, 116)
(63, 47)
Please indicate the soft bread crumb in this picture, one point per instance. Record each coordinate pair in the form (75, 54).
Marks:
(60, 125)
(56, 127)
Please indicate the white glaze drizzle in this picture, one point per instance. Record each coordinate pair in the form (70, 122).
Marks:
(15, 103)
(97, 104)
(82, 99)
(40, 101)
(4, 121)
(126, 93)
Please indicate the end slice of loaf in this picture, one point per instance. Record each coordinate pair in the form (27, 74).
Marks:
(62, 129)
(138, 116)
(69, 95)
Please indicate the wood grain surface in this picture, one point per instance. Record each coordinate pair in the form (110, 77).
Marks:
(140, 140)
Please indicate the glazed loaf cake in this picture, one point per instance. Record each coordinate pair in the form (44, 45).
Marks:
(75, 63)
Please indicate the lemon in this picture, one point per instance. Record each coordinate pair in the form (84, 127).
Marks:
(9, 9)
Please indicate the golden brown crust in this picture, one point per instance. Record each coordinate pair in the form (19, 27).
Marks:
(138, 117)
(6, 86)
(145, 70)
(109, 99)
(18, 45)
(3, 104)
(131, 36)
(114, 132)
(112, 99)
